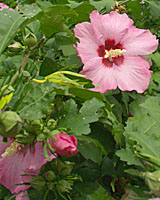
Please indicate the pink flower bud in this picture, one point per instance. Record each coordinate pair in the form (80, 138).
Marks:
(64, 144)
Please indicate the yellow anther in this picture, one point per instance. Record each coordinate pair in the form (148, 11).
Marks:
(13, 148)
(114, 53)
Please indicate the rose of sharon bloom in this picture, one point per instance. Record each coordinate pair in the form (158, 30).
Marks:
(64, 144)
(16, 160)
(2, 6)
(155, 199)
(110, 48)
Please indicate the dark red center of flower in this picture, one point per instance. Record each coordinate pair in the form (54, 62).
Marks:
(113, 51)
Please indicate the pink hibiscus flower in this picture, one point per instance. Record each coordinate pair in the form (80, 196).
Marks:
(110, 48)
(17, 160)
(154, 199)
(2, 6)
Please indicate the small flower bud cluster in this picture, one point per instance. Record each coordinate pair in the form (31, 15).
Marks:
(119, 8)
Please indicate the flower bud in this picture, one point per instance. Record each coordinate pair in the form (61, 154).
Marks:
(5, 95)
(50, 175)
(38, 182)
(26, 76)
(30, 40)
(10, 124)
(5, 90)
(41, 137)
(64, 144)
(33, 126)
(153, 181)
(63, 186)
(16, 47)
(51, 124)
(64, 168)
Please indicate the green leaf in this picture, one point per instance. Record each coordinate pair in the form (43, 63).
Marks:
(108, 167)
(128, 156)
(135, 109)
(84, 11)
(102, 134)
(10, 22)
(103, 4)
(90, 149)
(156, 58)
(35, 100)
(100, 194)
(154, 8)
(152, 105)
(29, 11)
(44, 4)
(53, 19)
(68, 49)
(147, 146)
(79, 122)
(154, 84)
(88, 94)
(117, 107)
(135, 7)
(143, 124)
(48, 66)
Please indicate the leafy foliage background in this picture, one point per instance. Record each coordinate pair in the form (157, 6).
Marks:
(118, 132)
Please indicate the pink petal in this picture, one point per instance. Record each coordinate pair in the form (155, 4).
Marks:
(2, 6)
(22, 196)
(87, 48)
(35, 158)
(96, 71)
(10, 170)
(111, 26)
(154, 199)
(139, 42)
(27, 161)
(133, 74)
(3, 146)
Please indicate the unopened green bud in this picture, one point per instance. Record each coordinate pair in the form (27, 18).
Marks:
(10, 124)
(16, 46)
(64, 168)
(63, 186)
(51, 124)
(26, 76)
(6, 90)
(30, 40)
(41, 137)
(153, 181)
(33, 126)
(50, 175)
(38, 182)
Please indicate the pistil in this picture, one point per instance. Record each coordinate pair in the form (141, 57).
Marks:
(13, 148)
(114, 53)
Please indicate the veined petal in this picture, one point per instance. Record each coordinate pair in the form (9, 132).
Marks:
(96, 71)
(87, 48)
(22, 195)
(111, 26)
(139, 42)
(26, 161)
(10, 170)
(133, 74)
(34, 158)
